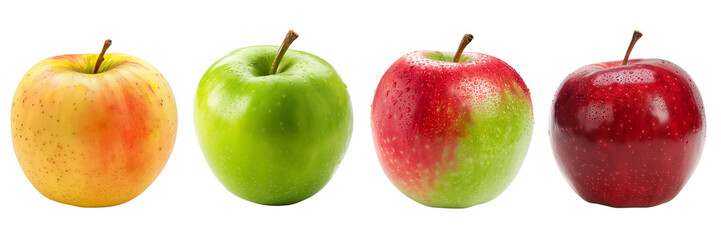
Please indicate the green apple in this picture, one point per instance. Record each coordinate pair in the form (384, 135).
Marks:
(273, 137)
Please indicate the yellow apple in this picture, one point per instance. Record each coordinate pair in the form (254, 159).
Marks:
(93, 139)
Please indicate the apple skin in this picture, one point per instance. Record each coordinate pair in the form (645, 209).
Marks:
(273, 139)
(451, 134)
(93, 140)
(628, 136)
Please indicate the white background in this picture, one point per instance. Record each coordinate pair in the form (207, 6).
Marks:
(543, 40)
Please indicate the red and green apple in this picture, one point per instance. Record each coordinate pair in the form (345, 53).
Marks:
(451, 130)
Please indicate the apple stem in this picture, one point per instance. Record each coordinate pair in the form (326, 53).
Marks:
(464, 42)
(636, 36)
(289, 38)
(101, 56)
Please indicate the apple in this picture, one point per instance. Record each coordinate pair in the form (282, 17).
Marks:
(90, 131)
(628, 133)
(451, 131)
(273, 123)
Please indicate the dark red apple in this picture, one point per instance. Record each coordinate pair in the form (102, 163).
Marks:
(628, 134)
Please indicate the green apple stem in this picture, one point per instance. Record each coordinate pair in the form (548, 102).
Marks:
(101, 56)
(464, 42)
(289, 38)
(636, 36)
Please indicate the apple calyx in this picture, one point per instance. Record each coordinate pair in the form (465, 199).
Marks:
(636, 36)
(102, 54)
(464, 42)
(289, 38)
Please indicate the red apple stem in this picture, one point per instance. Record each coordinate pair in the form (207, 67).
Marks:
(289, 38)
(464, 42)
(101, 56)
(636, 36)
